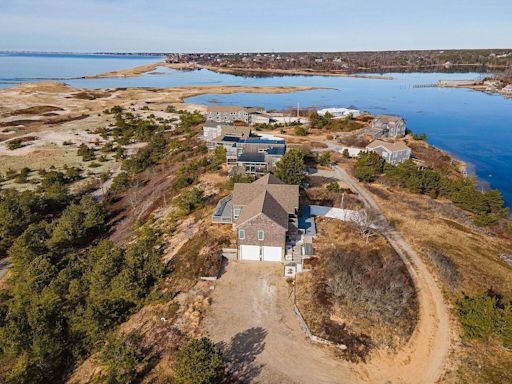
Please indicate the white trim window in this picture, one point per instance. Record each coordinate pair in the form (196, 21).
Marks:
(261, 235)
(236, 213)
(241, 234)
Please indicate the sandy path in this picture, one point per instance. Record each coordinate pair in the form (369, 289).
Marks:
(423, 359)
(251, 317)
(4, 266)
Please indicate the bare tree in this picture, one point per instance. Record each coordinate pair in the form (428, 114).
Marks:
(366, 223)
(133, 195)
(103, 178)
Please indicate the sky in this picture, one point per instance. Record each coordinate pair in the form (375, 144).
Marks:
(253, 26)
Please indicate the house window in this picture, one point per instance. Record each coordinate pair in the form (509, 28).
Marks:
(261, 235)
(241, 234)
(236, 213)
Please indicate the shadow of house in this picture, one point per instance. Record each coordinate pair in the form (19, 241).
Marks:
(241, 352)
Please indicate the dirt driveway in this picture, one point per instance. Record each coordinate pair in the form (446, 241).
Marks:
(252, 320)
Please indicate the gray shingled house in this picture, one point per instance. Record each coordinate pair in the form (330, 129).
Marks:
(227, 114)
(264, 214)
(388, 126)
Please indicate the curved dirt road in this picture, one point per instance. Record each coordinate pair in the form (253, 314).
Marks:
(422, 360)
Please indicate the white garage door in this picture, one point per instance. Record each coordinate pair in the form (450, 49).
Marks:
(250, 252)
(272, 253)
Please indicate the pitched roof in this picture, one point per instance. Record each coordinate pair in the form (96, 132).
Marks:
(388, 118)
(265, 204)
(390, 146)
(224, 108)
(234, 130)
(212, 124)
(255, 109)
(268, 179)
(286, 195)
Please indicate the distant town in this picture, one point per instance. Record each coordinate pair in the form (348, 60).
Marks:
(351, 62)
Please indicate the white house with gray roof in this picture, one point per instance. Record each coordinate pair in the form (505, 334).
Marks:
(392, 152)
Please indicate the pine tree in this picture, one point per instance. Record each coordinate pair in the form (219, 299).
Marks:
(290, 168)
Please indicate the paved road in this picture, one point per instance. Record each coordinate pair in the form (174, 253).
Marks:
(423, 359)
(4, 266)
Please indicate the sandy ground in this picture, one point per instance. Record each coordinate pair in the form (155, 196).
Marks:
(80, 110)
(4, 266)
(251, 318)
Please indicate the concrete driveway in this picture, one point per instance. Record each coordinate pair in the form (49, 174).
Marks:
(251, 318)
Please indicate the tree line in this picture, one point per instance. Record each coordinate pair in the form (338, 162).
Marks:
(486, 205)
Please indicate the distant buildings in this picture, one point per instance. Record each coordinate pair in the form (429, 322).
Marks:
(457, 83)
(387, 126)
(339, 112)
(507, 90)
(227, 114)
(249, 115)
(259, 117)
(393, 153)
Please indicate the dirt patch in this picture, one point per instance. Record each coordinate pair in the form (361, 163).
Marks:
(152, 190)
(36, 110)
(15, 123)
(252, 320)
(90, 95)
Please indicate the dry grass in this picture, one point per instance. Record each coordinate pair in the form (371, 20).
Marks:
(435, 158)
(44, 158)
(475, 253)
(429, 226)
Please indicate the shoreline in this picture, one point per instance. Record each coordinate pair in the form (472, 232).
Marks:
(478, 86)
(143, 69)
(275, 72)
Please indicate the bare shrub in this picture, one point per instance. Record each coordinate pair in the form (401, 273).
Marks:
(376, 282)
(447, 268)
(366, 223)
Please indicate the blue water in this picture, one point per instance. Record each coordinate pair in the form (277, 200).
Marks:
(17, 67)
(474, 126)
